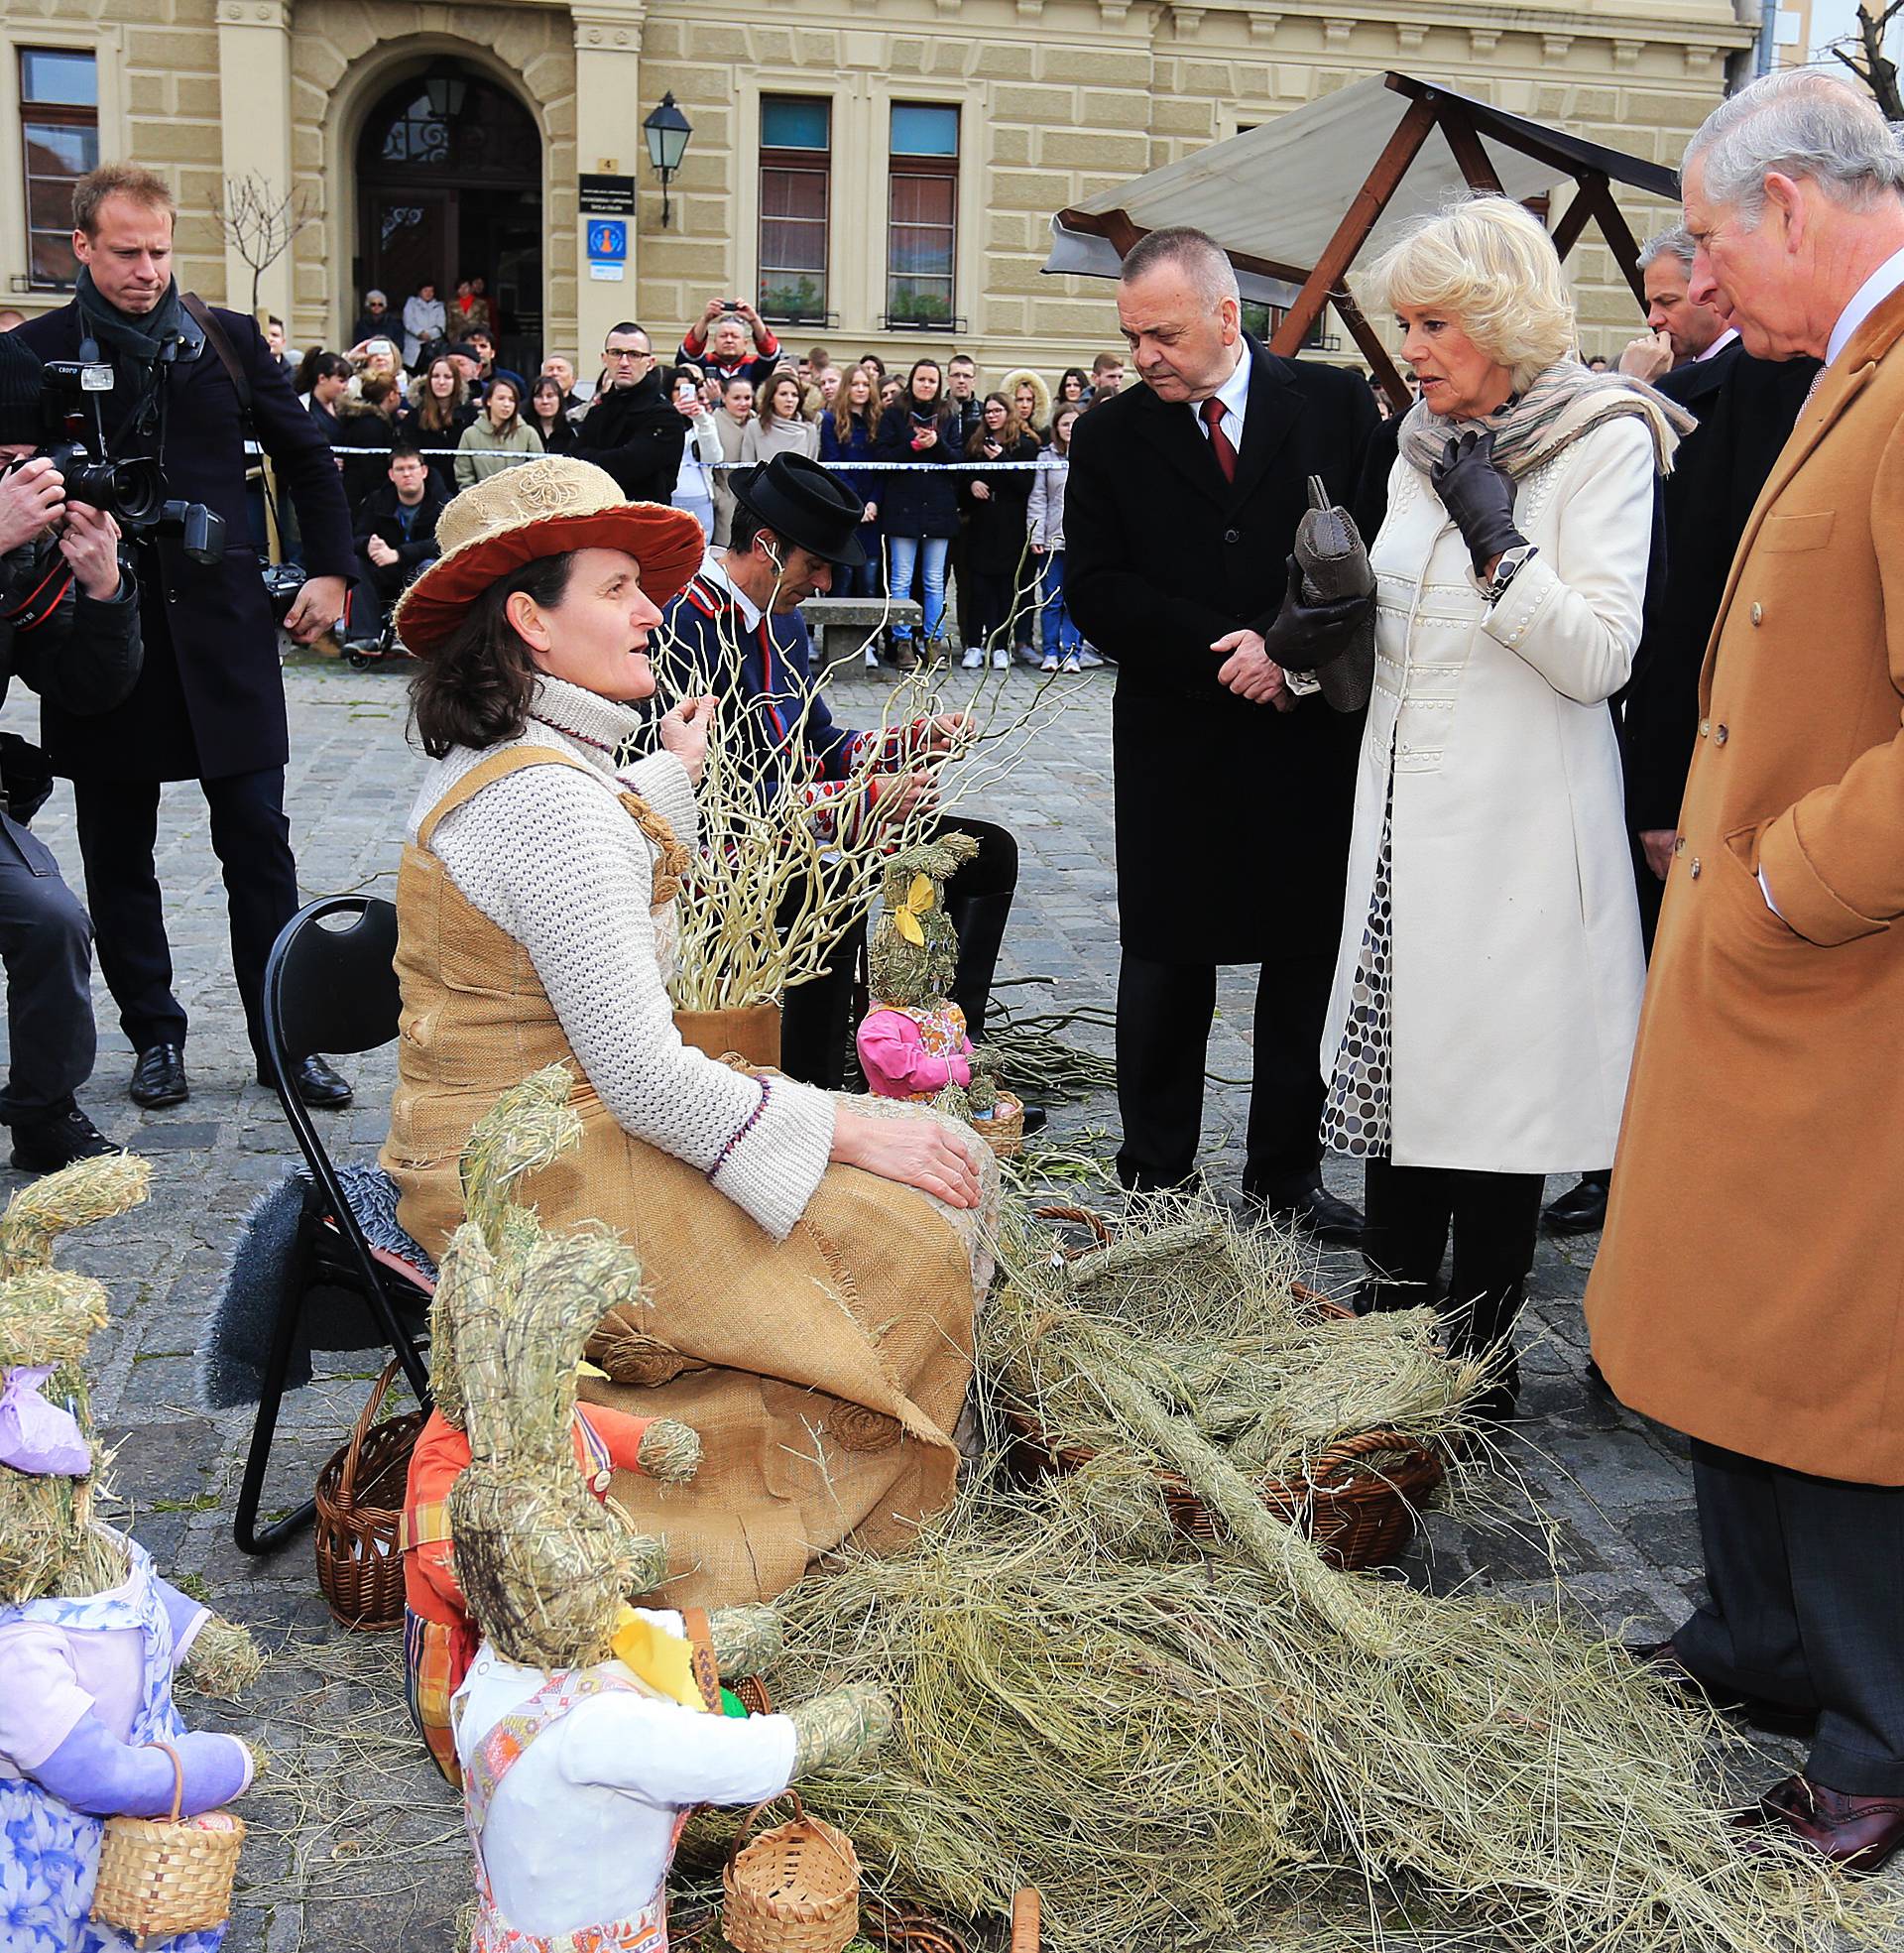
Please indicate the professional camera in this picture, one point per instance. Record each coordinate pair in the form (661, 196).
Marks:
(129, 488)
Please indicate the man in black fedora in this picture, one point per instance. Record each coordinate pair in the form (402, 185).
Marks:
(737, 632)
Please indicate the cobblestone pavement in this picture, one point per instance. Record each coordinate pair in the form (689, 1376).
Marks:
(318, 1870)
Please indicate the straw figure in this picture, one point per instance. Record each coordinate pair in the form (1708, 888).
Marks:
(439, 1637)
(90, 1637)
(580, 1748)
(914, 1043)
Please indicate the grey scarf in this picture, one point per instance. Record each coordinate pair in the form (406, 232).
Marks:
(1560, 406)
(139, 337)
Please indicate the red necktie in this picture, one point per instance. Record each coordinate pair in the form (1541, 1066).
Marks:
(1213, 411)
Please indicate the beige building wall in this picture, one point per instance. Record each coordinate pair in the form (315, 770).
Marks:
(1059, 99)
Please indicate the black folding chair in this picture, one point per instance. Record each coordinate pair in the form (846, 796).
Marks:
(329, 990)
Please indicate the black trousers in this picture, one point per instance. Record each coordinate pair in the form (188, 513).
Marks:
(816, 1018)
(1806, 1583)
(1164, 1011)
(118, 822)
(1494, 1219)
(46, 945)
(989, 608)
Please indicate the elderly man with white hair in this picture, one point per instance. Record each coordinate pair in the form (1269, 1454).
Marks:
(1750, 1288)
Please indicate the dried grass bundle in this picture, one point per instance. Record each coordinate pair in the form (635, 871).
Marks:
(1178, 1748)
(543, 1565)
(1209, 1314)
(89, 1191)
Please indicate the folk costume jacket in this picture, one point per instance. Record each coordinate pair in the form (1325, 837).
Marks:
(789, 729)
(1749, 1286)
(1232, 818)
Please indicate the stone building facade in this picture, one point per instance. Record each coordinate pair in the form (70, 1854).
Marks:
(886, 169)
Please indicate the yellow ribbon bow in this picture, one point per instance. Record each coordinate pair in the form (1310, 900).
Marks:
(664, 1661)
(919, 902)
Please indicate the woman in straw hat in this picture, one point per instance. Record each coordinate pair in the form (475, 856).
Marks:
(813, 1264)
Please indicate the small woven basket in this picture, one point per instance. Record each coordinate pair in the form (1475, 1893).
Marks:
(1356, 1504)
(164, 1875)
(360, 1507)
(1004, 1132)
(794, 1890)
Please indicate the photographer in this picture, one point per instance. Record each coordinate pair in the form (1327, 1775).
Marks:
(189, 383)
(70, 627)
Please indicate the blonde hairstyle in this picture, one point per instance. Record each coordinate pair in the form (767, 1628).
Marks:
(1492, 267)
(842, 406)
(763, 396)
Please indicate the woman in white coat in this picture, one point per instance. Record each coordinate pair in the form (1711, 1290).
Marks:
(1487, 984)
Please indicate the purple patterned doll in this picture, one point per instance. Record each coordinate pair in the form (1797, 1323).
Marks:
(90, 1637)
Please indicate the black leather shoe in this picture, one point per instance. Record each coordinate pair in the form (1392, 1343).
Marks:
(1316, 1211)
(158, 1078)
(314, 1082)
(1581, 1209)
(1663, 1660)
(55, 1140)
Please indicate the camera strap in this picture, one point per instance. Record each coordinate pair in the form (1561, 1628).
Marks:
(220, 342)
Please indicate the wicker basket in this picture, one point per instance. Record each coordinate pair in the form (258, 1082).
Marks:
(1357, 1503)
(752, 1032)
(164, 1875)
(360, 1507)
(1004, 1132)
(794, 1890)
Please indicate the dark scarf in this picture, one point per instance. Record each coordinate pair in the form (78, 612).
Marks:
(143, 336)
(145, 342)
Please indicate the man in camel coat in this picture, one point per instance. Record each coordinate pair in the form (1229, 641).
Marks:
(1750, 1288)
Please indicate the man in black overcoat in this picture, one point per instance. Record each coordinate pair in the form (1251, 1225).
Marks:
(209, 703)
(631, 428)
(1233, 799)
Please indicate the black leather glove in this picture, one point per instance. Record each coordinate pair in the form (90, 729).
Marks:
(1304, 637)
(1477, 495)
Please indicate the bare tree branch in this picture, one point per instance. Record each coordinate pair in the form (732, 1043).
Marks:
(260, 225)
(1868, 60)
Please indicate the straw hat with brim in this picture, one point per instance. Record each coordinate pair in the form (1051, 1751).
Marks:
(544, 507)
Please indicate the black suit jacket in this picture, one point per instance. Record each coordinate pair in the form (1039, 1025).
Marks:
(1232, 819)
(210, 697)
(1746, 408)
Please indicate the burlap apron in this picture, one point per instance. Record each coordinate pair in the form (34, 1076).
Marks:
(823, 1373)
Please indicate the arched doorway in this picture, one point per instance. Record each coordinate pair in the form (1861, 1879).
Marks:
(449, 185)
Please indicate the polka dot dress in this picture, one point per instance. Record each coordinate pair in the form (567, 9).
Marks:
(1354, 1120)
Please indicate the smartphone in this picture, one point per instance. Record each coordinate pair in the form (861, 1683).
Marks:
(381, 346)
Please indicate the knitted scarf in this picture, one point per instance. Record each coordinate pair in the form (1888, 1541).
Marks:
(1560, 406)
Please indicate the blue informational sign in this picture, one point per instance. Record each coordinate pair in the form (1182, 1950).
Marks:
(608, 238)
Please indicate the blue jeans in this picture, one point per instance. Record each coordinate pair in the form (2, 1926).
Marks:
(862, 580)
(1061, 636)
(928, 552)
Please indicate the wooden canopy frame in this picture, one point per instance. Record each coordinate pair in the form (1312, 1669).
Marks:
(1464, 123)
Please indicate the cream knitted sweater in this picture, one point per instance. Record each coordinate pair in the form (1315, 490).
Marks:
(550, 856)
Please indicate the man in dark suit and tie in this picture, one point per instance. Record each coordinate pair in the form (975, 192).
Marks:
(1232, 798)
(1744, 407)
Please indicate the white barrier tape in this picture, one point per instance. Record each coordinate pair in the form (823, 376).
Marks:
(842, 467)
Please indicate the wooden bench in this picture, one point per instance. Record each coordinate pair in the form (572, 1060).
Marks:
(842, 625)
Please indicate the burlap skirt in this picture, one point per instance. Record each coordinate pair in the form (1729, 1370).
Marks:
(825, 1373)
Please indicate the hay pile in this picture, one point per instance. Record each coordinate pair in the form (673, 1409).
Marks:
(1189, 1748)
(1225, 1342)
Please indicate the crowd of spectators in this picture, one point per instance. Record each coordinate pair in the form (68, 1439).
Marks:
(419, 406)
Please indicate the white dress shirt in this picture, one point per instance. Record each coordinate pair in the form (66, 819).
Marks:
(751, 612)
(1234, 395)
(1717, 346)
(1865, 301)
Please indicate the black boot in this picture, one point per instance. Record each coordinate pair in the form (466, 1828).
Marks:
(1582, 1209)
(1485, 1327)
(980, 922)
